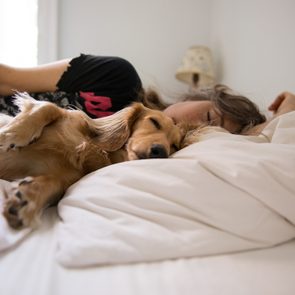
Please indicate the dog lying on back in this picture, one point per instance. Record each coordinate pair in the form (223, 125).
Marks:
(45, 149)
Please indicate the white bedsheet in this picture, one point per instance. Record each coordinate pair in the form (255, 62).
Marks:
(31, 269)
(30, 266)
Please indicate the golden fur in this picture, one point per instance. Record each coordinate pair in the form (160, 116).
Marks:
(45, 149)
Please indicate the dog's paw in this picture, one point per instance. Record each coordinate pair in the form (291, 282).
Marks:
(14, 137)
(20, 208)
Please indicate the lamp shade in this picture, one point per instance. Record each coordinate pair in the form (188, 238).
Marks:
(197, 67)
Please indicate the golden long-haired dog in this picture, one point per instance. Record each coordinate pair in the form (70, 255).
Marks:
(45, 149)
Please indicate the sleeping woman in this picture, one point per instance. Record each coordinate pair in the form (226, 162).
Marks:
(103, 85)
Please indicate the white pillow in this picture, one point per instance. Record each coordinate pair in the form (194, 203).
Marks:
(227, 193)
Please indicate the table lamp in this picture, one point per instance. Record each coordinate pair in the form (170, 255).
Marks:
(197, 68)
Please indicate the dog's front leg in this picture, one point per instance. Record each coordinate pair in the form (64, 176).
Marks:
(28, 125)
(27, 198)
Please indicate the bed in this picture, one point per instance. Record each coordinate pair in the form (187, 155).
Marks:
(216, 218)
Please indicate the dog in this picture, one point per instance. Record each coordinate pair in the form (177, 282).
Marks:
(44, 149)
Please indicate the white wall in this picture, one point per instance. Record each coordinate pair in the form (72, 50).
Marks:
(253, 41)
(254, 45)
(152, 34)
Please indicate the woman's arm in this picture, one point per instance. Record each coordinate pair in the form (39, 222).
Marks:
(36, 79)
(284, 103)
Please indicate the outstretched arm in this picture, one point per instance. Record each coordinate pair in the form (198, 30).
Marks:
(284, 103)
(36, 79)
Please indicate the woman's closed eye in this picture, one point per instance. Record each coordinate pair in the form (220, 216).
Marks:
(209, 117)
(214, 119)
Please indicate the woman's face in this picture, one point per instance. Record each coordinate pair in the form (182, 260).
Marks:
(199, 112)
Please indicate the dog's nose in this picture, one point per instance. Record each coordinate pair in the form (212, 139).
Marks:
(158, 151)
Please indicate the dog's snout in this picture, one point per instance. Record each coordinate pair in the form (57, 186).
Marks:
(158, 151)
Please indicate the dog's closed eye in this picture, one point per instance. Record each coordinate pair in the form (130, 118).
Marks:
(156, 123)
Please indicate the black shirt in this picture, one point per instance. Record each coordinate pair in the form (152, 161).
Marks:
(98, 85)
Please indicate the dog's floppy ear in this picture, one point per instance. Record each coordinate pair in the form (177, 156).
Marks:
(189, 133)
(112, 132)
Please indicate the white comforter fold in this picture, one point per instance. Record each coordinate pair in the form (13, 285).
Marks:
(224, 194)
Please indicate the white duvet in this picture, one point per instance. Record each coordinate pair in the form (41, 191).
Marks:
(226, 193)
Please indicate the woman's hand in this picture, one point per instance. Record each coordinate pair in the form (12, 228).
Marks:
(284, 103)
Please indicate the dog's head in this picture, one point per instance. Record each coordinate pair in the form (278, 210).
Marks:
(143, 132)
(153, 135)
